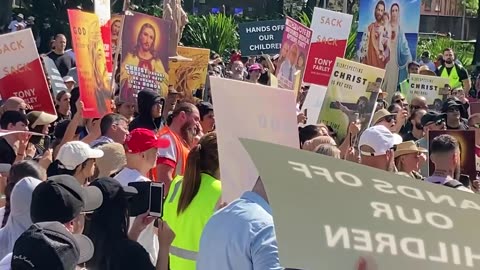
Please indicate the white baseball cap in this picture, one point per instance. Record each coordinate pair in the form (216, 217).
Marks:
(380, 139)
(75, 153)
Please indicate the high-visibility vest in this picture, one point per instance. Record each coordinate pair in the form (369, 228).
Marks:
(188, 226)
(453, 77)
(182, 151)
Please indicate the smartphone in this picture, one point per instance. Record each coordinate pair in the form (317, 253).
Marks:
(139, 203)
(156, 199)
(305, 113)
(46, 142)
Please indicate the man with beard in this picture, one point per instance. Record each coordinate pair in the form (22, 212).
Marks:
(457, 74)
(445, 155)
(182, 127)
(373, 35)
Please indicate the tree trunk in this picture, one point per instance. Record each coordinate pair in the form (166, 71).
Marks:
(476, 54)
(5, 14)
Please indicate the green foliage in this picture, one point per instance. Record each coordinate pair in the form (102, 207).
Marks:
(463, 51)
(215, 32)
(152, 10)
(471, 7)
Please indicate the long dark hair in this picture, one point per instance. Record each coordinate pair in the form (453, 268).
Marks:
(106, 226)
(203, 158)
(137, 46)
(20, 170)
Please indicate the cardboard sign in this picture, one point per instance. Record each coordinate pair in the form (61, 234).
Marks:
(466, 139)
(387, 38)
(145, 54)
(56, 80)
(352, 91)
(335, 214)
(93, 78)
(329, 41)
(102, 10)
(313, 103)
(430, 87)
(187, 77)
(262, 37)
(293, 55)
(266, 113)
(21, 71)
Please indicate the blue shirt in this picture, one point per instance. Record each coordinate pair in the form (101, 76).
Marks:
(240, 236)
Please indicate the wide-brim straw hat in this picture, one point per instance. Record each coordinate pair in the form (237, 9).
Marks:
(408, 147)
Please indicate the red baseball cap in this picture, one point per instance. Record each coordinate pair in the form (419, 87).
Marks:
(141, 139)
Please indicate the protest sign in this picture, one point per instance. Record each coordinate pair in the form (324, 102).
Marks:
(187, 77)
(262, 37)
(116, 21)
(144, 55)
(93, 78)
(260, 121)
(21, 71)
(466, 139)
(351, 96)
(430, 87)
(387, 38)
(273, 81)
(474, 107)
(102, 10)
(297, 82)
(293, 55)
(313, 103)
(56, 80)
(334, 214)
(329, 41)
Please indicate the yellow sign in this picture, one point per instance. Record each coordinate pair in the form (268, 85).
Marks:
(187, 77)
(431, 87)
(351, 95)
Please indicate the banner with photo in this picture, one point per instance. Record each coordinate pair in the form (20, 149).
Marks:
(102, 10)
(262, 37)
(93, 77)
(261, 121)
(329, 41)
(466, 139)
(144, 55)
(187, 77)
(293, 55)
(115, 27)
(431, 87)
(21, 71)
(351, 96)
(334, 214)
(387, 37)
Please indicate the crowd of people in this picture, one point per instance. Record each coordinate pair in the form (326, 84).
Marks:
(70, 183)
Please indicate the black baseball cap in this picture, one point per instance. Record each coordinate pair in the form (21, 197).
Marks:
(112, 190)
(432, 116)
(49, 245)
(61, 198)
(451, 103)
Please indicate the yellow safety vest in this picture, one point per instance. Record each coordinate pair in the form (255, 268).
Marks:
(453, 77)
(188, 226)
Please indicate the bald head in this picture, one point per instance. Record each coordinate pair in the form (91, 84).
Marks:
(418, 102)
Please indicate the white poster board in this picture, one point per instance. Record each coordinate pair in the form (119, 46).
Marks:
(253, 111)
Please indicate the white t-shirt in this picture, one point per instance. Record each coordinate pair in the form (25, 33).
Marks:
(12, 26)
(148, 238)
(6, 262)
(170, 152)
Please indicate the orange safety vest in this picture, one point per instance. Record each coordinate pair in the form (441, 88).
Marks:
(182, 151)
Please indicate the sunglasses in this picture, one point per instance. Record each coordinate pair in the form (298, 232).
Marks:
(400, 100)
(415, 107)
(437, 123)
(389, 118)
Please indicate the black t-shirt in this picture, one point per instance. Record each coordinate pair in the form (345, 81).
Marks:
(128, 255)
(64, 62)
(7, 154)
(463, 125)
(461, 71)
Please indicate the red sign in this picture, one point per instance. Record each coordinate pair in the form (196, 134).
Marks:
(21, 71)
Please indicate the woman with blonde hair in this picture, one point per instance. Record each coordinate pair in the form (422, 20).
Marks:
(192, 200)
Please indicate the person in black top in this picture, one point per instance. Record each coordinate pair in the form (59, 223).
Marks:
(63, 61)
(13, 146)
(116, 247)
(454, 109)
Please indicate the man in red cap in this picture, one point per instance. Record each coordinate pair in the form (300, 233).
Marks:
(141, 148)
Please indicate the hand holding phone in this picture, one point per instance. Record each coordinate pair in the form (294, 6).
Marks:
(156, 199)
